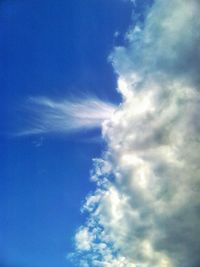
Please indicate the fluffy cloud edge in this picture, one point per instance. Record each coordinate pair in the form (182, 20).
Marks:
(144, 211)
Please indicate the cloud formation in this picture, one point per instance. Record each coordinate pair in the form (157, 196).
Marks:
(50, 116)
(145, 211)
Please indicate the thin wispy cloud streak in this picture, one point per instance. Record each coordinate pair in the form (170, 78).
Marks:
(65, 116)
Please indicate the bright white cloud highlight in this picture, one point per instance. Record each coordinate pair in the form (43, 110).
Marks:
(146, 208)
(50, 116)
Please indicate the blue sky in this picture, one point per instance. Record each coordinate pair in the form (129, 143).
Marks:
(100, 114)
(57, 49)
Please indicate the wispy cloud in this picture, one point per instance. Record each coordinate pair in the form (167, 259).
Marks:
(145, 211)
(64, 116)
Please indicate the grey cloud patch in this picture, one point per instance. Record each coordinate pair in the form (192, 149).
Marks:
(146, 209)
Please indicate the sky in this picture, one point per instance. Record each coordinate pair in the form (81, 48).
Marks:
(100, 133)
(56, 50)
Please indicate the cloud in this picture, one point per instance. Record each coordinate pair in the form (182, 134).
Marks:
(64, 116)
(145, 211)
(166, 43)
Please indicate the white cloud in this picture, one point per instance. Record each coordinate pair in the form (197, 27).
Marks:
(146, 209)
(64, 116)
(83, 239)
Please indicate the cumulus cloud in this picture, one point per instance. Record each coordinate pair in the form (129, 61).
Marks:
(145, 211)
(64, 116)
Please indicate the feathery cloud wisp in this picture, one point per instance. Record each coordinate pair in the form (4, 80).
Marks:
(49, 116)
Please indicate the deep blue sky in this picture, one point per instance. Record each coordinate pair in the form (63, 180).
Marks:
(57, 49)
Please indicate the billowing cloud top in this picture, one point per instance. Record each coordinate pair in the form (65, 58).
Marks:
(145, 211)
